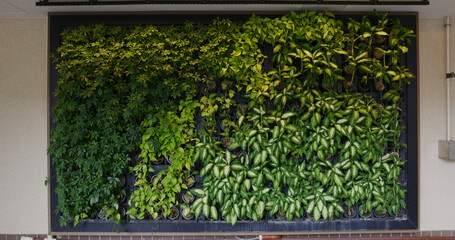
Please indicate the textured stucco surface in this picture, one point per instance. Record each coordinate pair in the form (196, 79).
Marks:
(437, 178)
(23, 125)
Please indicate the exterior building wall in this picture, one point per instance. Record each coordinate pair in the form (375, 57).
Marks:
(437, 188)
(23, 127)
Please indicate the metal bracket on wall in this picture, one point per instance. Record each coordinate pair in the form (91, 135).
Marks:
(446, 150)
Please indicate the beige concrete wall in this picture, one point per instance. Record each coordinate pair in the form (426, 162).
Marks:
(23, 129)
(23, 125)
(437, 177)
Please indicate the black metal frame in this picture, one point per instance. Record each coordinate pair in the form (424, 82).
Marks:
(408, 221)
(315, 2)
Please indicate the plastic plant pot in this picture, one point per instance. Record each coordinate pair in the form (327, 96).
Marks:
(174, 213)
(102, 214)
(349, 85)
(187, 197)
(280, 215)
(379, 214)
(159, 160)
(364, 86)
(367, 214)
(187, 214)
(189, 181)
(379, 85)
(153, 178)
(350, 211)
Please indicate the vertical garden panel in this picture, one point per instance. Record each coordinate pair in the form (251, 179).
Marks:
(298, 123)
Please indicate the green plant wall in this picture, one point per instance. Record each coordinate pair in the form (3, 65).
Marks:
(270, 112)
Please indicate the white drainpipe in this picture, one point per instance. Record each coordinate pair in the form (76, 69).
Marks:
(447, 25)
(446, 149)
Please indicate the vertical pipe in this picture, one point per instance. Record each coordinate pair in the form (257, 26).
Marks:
(447, 25)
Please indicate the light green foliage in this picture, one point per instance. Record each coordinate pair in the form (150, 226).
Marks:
(376, 49)
(171, 135)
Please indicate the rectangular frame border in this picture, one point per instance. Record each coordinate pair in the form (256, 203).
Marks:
(56, 20)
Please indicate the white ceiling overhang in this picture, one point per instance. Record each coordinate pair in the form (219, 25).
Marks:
(28, 8)
(205, 2)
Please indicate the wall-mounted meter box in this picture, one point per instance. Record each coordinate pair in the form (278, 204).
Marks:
(447, 150)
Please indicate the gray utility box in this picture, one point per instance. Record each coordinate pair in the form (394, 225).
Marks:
(447, 150)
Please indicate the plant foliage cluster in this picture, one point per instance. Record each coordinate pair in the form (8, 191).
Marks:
(254, 107)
